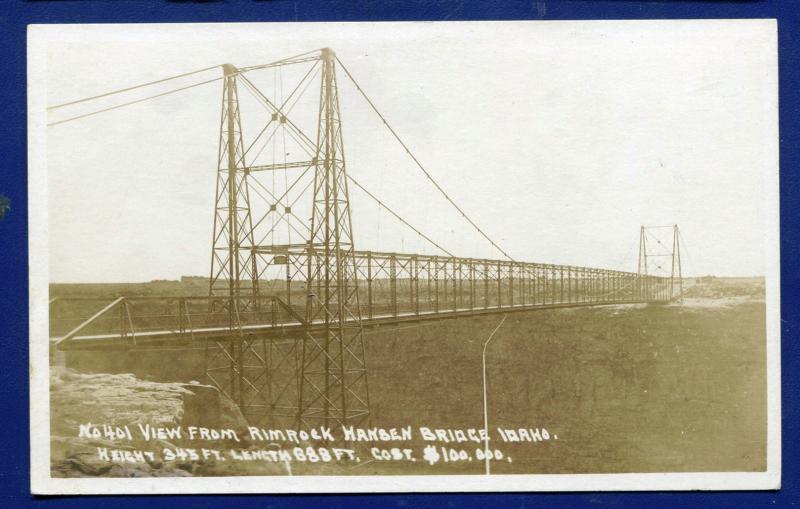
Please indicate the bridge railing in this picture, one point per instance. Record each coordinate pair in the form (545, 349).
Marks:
(129, 317)
(389, 285)
(399, 284)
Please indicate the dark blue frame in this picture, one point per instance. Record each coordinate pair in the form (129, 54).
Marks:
(14, 419)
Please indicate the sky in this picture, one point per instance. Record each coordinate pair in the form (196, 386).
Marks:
(559, 139)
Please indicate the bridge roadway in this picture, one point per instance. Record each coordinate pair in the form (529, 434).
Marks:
(394, 288)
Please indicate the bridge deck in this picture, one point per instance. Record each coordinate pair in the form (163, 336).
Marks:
(392, 288)
(295, 329)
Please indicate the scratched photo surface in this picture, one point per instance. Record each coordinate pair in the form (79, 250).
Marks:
(407, 249)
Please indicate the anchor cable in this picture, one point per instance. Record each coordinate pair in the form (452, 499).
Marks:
(134, 87)
(162, 94)
(241, 71)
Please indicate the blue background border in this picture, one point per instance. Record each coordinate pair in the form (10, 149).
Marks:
(14, 417)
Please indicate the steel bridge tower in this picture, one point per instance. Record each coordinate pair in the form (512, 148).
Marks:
(233, 271)
(333, 382)
(652, 250)
(321, 376)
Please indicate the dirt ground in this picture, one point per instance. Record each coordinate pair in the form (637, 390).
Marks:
(659, 388)
(625, 388)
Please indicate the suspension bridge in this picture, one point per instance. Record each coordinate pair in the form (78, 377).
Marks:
(289, 295)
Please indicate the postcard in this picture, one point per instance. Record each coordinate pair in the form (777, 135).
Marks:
(404, 257)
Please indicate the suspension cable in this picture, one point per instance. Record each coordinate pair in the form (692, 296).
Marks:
(354, 181)
(239, 72)
(128, 89)
(162, 94)
(428, 175)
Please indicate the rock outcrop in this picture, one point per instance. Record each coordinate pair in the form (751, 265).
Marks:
(123, 399)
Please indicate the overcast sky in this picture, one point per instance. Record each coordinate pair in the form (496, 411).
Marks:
(558, 138)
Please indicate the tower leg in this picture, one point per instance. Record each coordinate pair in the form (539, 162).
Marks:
(333, 376)
(234, 365)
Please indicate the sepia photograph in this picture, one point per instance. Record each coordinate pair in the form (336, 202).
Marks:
(407, 256)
